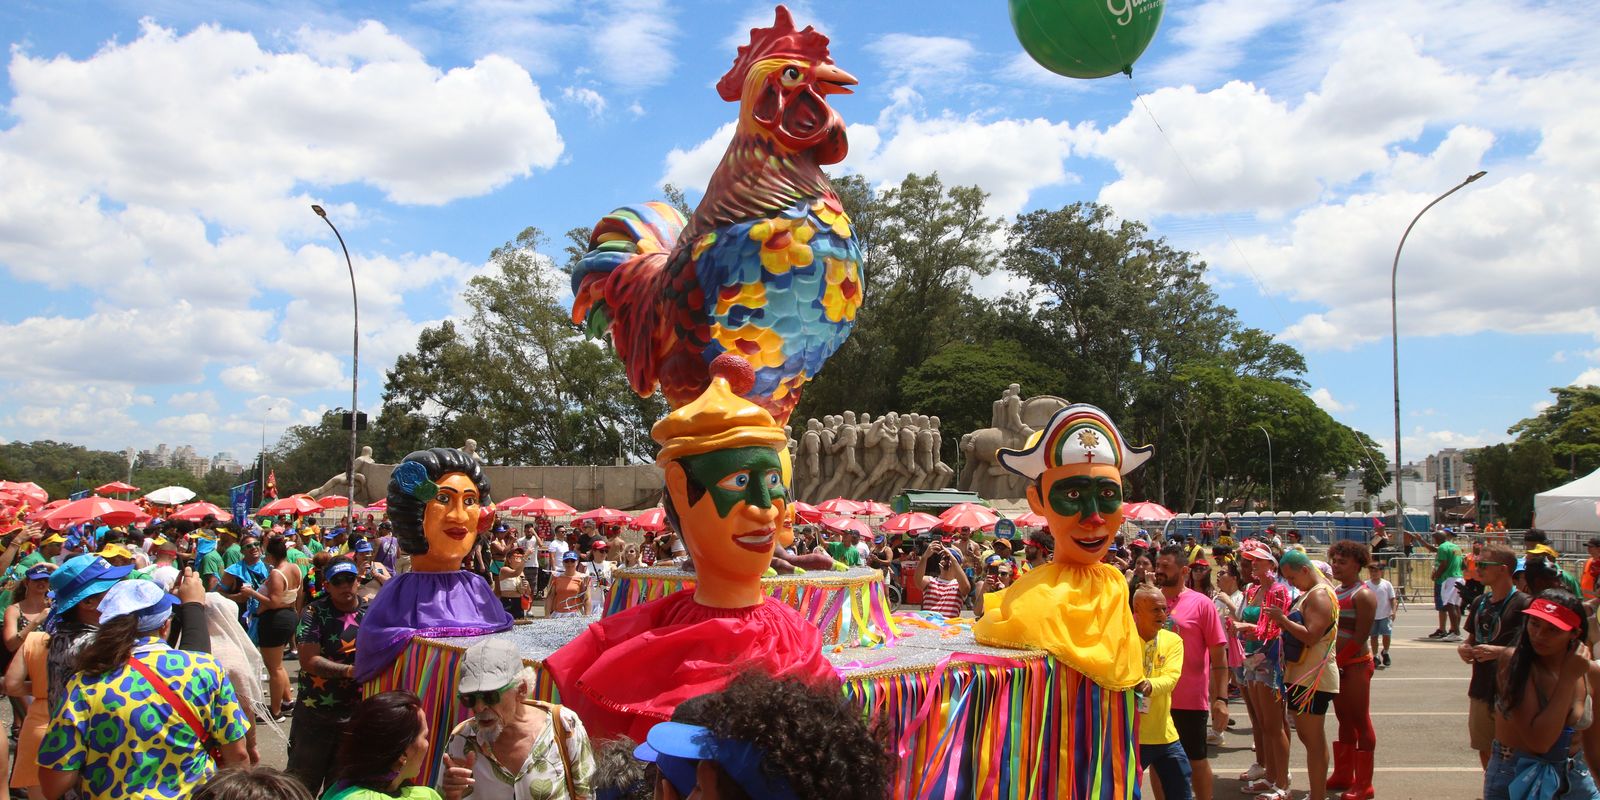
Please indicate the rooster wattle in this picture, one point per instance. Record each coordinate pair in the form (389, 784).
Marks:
(767, 268)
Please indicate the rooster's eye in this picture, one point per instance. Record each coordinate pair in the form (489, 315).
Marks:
(791, 74)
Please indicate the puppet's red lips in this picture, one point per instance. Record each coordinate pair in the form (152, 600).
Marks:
(1091, 544)
(756, 541)
(456, 533)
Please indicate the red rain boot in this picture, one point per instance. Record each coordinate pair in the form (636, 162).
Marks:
(1361, 788)
(1344, 767)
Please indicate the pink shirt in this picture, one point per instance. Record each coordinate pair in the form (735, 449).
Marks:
(1200, 626)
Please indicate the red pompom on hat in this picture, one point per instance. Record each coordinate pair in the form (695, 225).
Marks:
(741, 377)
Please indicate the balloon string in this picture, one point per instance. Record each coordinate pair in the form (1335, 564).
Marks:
(1222, 221)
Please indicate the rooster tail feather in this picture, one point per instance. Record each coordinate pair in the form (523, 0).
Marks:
(617, 285)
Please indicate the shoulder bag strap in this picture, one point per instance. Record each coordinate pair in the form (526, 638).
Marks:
(560, 731)
(181, 706)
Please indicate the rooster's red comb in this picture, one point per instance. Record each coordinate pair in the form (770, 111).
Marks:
(779, 41)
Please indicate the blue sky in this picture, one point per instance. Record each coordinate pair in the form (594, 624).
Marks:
(162, 278)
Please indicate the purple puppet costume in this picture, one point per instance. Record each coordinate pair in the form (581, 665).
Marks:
(439, 503)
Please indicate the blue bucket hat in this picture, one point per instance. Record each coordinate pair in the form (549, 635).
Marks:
(141, 599)
(80, 578)
(677, 749)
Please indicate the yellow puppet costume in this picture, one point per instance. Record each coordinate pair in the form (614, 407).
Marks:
(1076, 607)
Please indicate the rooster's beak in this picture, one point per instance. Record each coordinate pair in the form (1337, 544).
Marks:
(832, 80)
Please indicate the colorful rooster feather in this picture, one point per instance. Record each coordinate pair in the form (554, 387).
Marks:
(767, 268)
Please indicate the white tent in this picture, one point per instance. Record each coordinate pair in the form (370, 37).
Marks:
(1573, 507)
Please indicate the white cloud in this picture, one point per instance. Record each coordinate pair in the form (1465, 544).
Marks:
(692, 168)
(632, 42)
(1326, 182)
(203, 401)
(1209, 38)
(1539, 407)
(1325, 401)
(1589, 377)
(917, 60)
(586, 97)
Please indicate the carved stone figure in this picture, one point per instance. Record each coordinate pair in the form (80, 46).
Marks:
(859, 457)
(1015, 420)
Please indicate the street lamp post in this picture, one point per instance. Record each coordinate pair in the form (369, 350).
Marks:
(261, 471)
(1394, 335)
(355, 361)
(1271, 498)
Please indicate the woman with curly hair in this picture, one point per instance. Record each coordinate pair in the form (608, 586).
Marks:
(439, 504)
(765, 738)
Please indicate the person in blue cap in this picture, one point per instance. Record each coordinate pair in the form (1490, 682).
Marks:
(141, 719)
(765, 738)
(77, 587)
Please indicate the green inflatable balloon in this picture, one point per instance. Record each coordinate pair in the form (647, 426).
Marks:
(1086, 38)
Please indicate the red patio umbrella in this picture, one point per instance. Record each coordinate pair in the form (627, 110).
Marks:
(35, 494)
(873, 508)
(845, 524)
(604, 516)
(807, 514)
(1148, 512)
(195, 512)
(115, 487)
(547, 506)
(333, 501)
(381, 505)
(296, 504)
(910, 522)
(967, 515)
(1031, 520)
(839, 505)
(112, 512)
(652, 520)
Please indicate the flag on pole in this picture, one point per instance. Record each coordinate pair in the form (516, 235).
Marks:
(271, 490)
(239, 500)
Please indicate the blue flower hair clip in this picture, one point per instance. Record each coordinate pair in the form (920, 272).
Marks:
(412, 478)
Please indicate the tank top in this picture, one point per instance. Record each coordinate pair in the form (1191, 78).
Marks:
(1313, 666)
(1349, 648)
(943, 596)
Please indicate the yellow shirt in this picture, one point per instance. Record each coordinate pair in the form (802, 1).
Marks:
(1163, 665)
(1078, 613)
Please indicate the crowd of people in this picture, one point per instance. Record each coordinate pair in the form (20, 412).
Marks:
(144, 662)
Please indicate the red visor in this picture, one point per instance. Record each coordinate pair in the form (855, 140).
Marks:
(1555, 614)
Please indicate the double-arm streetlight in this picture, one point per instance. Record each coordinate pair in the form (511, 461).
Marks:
(1394, 334)
(355, 361)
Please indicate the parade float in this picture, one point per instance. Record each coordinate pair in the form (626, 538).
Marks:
(729, 313)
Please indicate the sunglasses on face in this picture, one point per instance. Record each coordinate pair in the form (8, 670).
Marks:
(253, 546)
(342, 580)
(490, 697)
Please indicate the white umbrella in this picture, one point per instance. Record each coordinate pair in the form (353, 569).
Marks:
(170, 495)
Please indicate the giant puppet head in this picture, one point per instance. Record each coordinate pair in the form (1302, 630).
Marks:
(726, 492)
(1075, 466)
(439, 504)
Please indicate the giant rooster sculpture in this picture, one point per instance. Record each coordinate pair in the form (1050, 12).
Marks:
(767, 268)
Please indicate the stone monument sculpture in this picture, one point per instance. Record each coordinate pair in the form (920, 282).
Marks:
(856, 456)
(1013, 422)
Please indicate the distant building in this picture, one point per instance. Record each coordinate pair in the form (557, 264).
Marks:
(227, 463)
(1450, 473)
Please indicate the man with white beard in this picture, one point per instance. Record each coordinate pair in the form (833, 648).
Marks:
(513, 747)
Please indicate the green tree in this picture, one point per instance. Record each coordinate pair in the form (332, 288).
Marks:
(958, 384)
(922, 245)
(1570, 426)
(515, 375)
(1509, 475)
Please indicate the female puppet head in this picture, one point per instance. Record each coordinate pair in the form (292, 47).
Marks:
(725, 493)
(1076, 464)
(439, 503)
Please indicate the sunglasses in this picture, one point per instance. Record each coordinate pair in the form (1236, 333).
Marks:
(253, 546)
(489, 697)
(344, 579)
